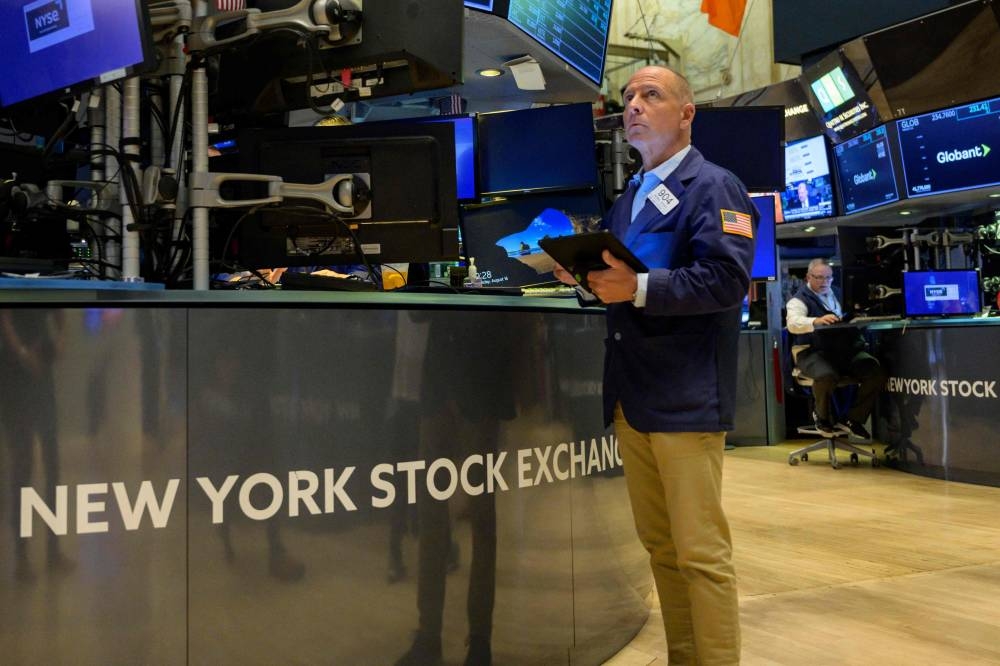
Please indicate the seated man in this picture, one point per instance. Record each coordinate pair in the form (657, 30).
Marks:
(826, 355)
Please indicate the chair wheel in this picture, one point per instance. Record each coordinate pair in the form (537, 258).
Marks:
(854, 459)
(805, 457)
(793, 460)
(835, 465)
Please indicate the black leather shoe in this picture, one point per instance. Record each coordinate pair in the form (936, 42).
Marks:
(857, 429)
(425, 651)
(479, 653)
(826, 427)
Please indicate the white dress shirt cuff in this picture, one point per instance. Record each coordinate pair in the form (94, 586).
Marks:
(639, 300)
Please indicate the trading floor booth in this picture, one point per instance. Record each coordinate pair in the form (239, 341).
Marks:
(309, 479)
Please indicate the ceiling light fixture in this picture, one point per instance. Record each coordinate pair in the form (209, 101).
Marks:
(489, 72)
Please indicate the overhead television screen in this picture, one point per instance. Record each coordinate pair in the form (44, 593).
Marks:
(48, 45)
(800, 121)
(866, 172)
(951, 149)
(937, 60)
(484, 5)
(838, 98)
(808, 193)
(746, 140)
(947, 293)
(575, 31)
(536, 149)
(765, 259)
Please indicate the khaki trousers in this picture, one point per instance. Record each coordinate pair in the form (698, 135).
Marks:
(674, 483)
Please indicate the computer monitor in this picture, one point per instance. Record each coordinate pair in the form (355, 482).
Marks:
(413, 215)
(577, 32)
(944, 293)
(866, 171)
(838, 98)
(547, 148)
(808, 189)
(53, 45)
(503, 235)
(951, 149)
(481, 5)
(937, 60)
(465, 150)
(404, 47)
(800, 121)
(765, 258)
(746, 140)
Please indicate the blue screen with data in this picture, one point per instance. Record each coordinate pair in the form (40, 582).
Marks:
(951, 149)
(867, 176)
(575, 30)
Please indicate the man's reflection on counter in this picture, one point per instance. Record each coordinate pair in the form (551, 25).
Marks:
(31, 341)
(456, 421)
(222, 405)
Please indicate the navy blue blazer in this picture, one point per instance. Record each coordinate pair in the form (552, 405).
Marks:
(672, 364)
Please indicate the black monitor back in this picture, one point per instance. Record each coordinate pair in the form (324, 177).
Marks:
(414, 211)
(405, 47)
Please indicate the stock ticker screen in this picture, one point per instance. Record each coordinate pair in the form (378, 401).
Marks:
(867, 177)
(951, 149)
(575, 30)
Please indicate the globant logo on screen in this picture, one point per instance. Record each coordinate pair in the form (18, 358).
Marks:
(866, 177)
(50, 22)
(946, 156)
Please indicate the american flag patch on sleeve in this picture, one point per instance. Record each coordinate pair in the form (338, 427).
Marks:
(737, 223)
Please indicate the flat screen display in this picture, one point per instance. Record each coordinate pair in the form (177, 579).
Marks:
(465, 153)
(575, 30)
(533, 149)
(485, 5)
(746, 140)
(937, 60)
(952, 149)
(866, 172)
(808, 192)
(838, 98)
(800, 121)
(56, 44)
(945, 293)
(765, 258)
(503, 235)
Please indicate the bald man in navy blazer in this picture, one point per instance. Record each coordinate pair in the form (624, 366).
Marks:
(671, 360)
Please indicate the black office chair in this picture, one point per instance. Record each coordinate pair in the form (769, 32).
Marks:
(831, 441)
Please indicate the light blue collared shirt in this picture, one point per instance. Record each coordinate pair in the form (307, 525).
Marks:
(661, 171)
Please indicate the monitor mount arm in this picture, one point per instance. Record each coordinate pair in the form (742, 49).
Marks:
(345, 195)
(337, 22)
(880, 292)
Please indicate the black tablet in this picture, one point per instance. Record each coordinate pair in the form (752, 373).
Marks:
(581, 253)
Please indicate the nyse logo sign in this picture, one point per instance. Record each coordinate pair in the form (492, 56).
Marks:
(45, 18)
(50, 22)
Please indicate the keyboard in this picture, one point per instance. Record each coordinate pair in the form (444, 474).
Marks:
(560, 291)
(306, 281)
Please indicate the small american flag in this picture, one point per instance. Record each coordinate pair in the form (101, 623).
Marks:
(230, 5)
(737, 223)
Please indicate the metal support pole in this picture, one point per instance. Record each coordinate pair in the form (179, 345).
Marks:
(113, 134)
(130, 131)
(199, 163)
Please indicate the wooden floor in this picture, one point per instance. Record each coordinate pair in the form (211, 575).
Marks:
(854, 566)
